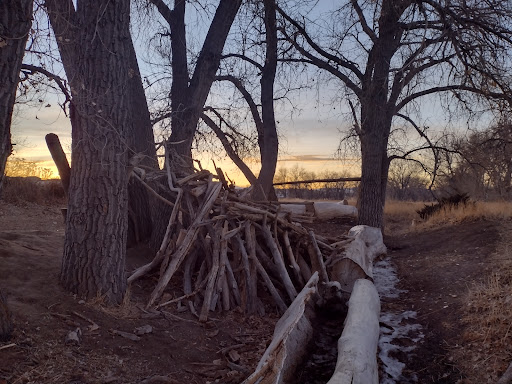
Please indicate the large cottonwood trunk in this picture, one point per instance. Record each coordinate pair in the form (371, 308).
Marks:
(372, 191)
(140, 139)
(15, 23)
(141, 142)
(97, 220)
(376, 116)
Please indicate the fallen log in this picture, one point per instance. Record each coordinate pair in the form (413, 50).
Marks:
(355, 261)
(291, 333)
(326, 210)
(357, 346)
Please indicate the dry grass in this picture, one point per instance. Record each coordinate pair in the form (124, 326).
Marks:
(493, 210)
(17, 190)
(402, 216)
(486, 348)
(399, 215)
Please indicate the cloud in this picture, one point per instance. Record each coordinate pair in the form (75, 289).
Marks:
(302, 158)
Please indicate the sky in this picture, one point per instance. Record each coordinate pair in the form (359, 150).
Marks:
(310, 139)
(306, 142)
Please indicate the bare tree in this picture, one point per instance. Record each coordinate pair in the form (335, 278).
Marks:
(389, 54)
(262, 113)
(15, 23)
(189, 94)
(482, 166)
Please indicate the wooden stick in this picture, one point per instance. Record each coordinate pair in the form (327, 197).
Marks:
(195, 292)
(60, 159)
(225, 292)
(187, 279)
(272, 289)
(304, 268)
(211, 278)
(279, 262)
(251, 247)
(249, 289)
(187, 243)
(232, 282)
(152, 191)
(221, 277)
(7, 346)
(317, 260)
(194, 176)
(266, 260)
(291, 257)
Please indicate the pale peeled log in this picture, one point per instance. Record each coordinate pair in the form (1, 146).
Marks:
(296, 209)
(372, 238)
(357, 346)
(326, 210)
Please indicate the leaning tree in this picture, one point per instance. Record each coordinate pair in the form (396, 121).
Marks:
(15, 23)
(388, 55)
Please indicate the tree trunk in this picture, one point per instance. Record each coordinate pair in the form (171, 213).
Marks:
(188, 98)
(96, 227)
(270, 147)
(60, 160)
(376, 116)
(140, 139)
(141, 142)
(186, 114)
(15, 23)
(374, 164)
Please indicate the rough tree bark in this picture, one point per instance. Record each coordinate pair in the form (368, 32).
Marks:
(140, 139)
(15, 23)
(96, 226)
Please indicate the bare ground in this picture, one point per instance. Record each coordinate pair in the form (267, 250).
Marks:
(435, 267)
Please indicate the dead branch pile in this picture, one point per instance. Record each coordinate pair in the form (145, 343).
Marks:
(230, 249)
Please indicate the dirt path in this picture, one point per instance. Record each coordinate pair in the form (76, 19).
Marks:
(435, 267)
(178, 349)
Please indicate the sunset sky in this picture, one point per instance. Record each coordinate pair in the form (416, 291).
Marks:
(310, 139)
(307, 141)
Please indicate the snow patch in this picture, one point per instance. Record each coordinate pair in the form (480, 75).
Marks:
(385, 279)
(399, 333)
